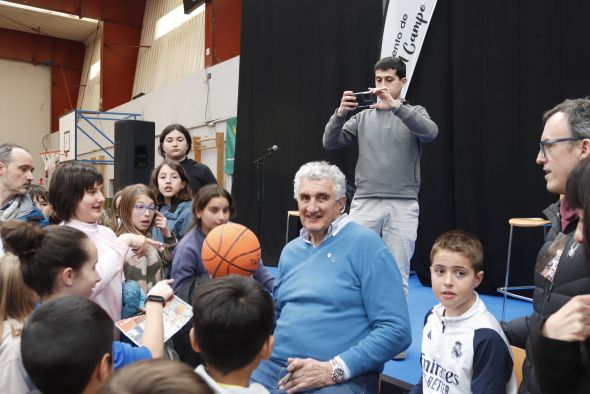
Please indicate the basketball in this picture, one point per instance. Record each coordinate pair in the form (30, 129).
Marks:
(231, 249)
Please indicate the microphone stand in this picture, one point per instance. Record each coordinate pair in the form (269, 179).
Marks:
(260, 189)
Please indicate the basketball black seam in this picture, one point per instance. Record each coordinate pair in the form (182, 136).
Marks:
(240, 255)
(223, 258)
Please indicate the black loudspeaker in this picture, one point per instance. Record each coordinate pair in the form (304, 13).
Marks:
(134, 152)
(190, 5)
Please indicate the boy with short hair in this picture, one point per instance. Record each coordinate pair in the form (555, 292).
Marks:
(67, 346)
(41, 200)
(67, 343)
(463, 347)
(233, 318)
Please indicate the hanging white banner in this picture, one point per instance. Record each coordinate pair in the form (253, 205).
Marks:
(406, 24)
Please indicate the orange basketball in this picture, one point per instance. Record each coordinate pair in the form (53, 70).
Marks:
(231, 249)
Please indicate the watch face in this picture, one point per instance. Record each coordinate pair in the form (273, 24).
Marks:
(338, 375)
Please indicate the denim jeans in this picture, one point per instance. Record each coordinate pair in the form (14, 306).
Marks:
(396, 221)
(270, 372)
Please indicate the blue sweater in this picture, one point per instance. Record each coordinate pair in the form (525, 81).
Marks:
(125, 354)
(179, 221)
(187, 261)
(343, 298)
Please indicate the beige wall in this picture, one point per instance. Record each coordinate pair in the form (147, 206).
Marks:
(161, 60)
(173, 56)
(181, 102)
(25, 104)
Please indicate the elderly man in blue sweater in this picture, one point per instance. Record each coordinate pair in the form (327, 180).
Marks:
(341, 312)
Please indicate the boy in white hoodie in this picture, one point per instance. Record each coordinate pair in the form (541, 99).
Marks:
(463, 347)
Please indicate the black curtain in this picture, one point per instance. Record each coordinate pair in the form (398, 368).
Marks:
(487, 72)
(296, 60)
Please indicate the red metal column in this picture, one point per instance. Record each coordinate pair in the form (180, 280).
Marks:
(118, 60)
(222, 30)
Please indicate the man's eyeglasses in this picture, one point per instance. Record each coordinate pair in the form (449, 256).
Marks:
(544, 143)
(142, 207)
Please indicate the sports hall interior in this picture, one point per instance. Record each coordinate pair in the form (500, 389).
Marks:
(69, 70)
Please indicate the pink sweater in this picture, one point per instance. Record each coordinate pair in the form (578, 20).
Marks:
(108, 291)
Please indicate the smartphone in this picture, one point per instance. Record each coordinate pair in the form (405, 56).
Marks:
(365, 99)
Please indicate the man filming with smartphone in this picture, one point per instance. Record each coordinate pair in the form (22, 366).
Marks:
(389, 134)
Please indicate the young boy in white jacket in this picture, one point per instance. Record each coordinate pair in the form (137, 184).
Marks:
(463, 347)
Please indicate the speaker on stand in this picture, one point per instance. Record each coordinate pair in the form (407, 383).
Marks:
(134, 152)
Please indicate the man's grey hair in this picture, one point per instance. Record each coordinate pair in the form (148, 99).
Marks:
(318, 170)
(6, 152)
(577, 113)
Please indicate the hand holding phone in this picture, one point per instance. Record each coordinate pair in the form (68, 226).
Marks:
(347, 103)
(365, 99)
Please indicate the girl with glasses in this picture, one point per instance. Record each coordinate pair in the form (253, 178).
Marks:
(139, 214)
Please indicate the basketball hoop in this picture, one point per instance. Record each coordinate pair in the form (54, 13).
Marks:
(50, 159)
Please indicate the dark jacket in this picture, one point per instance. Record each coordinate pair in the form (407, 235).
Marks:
(561, 367)
(571, 278)
(198, 174)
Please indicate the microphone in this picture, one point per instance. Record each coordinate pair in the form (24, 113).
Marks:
(269, 151)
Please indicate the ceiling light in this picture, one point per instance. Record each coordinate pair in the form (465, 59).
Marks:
(48, 12)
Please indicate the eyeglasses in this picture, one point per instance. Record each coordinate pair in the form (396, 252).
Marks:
(550, 142)
(142, 207)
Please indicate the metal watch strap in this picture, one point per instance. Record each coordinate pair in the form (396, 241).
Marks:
(337, 372)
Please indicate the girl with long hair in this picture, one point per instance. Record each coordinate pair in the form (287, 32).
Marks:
(172, 192)
(62, 261)
(139, 214)
(16, 303)
(55, 260)
(212, 206)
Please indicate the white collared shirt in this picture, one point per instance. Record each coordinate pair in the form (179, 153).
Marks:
(337, 225)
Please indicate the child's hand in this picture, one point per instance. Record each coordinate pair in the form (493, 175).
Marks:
(161, 223)
(138, 243)
(163, 289)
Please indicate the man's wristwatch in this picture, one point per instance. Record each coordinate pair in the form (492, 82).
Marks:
(337, 372)
(156, 298)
